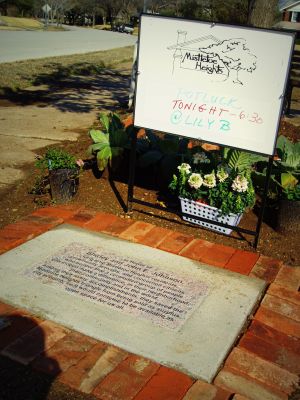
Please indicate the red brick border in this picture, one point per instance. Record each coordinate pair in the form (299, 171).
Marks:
(264, 363)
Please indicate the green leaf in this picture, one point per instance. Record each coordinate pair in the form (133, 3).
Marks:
(225, 151)
(142, 145)
(150, 158)
(94, 148)
(283, 145)
(169, 146)
(103, 157)
(118, 138)
(116, 122)
(99, 136)
(288, 181)
(289, 152)
(240, 160)
(116, 151)
(105, 121)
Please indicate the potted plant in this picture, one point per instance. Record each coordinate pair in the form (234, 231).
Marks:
(215, 190)
(63, 173)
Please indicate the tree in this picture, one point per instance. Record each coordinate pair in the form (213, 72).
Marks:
(129, 8)
(20, 7)
(229, 12)
(25, 7)
(262, 13)
(90, 8)
(111, 8)
(3, 7)
(190, 9)
(58, 9)
(157, 6)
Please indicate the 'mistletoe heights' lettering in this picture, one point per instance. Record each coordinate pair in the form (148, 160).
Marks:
(122, 283)
(203, 62)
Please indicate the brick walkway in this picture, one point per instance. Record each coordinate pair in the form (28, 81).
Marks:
(264, 363)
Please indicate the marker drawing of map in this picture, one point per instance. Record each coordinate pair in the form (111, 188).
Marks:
(221, 60)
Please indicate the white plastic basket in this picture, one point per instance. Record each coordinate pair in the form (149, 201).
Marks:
(212, 213)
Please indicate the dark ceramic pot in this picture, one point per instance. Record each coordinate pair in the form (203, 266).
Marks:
(64, 184)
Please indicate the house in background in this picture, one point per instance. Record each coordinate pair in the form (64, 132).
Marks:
(290, 16)
(290, 11)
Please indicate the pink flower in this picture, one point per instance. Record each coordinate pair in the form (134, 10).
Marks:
(80, 162)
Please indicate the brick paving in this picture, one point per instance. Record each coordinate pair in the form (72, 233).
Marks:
(264, 363)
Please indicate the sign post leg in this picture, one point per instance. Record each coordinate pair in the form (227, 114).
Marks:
(131, 170)
(264, 200)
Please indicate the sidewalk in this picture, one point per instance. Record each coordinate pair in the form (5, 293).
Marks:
(264, 363)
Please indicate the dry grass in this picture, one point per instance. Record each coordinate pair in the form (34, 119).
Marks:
(22, 74)
(27, 24)
(21, 23)
(106, 27)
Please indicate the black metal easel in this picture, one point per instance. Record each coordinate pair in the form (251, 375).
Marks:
(131, 199)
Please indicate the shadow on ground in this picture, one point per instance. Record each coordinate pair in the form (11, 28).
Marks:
(20, 382)
(79, 88)
(26, 382)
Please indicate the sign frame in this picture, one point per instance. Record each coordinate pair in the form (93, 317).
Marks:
(131, 199)
(212, 92)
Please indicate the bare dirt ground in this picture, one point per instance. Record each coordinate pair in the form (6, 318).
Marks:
(101, 193)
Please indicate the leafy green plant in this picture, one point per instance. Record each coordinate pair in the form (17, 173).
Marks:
(154, 148)
(110, 142)
(285, 173)
(162, 153)
(239, 160)
(286, 170)
(41, 186)
(54, 159)
(289, 154)
(293, 194)
(227, 189)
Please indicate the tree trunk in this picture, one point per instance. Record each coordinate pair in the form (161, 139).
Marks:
(262, 13)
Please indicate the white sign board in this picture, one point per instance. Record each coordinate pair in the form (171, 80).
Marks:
(218, 83)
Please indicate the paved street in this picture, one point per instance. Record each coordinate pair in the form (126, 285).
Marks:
(24, 45)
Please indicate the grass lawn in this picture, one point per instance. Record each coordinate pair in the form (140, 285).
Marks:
(22, 74)
(28, 24)
(20, 23)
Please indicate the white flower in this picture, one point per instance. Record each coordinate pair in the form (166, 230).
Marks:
(184, 168)
(200, 158)
(195, 181)
(222, 175)
(240, 184)
(210, 180)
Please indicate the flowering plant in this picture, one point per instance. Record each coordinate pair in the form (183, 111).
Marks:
(56, 158)
(227, 189)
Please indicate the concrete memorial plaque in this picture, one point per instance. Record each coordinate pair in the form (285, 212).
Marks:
(122, 283)
(175, 311)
